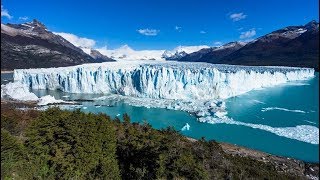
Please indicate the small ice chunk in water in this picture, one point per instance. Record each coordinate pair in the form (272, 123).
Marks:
(220, 114)
(84, 107)
(118, 114)
(186, 127)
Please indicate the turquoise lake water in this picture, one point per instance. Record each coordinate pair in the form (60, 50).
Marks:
(288, 105)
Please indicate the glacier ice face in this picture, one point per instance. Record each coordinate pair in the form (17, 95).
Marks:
(160, 80)
(20, 92)
(17, 91)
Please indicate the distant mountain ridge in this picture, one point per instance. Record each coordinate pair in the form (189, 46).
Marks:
(213, 53)
(31, 45)
(291, 46)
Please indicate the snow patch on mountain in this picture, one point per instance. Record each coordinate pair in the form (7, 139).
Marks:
(181, 51)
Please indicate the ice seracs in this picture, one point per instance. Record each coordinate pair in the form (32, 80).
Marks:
(17, 91)
(164, 80)
(20, 92)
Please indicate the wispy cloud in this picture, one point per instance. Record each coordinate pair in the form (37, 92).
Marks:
(24, 18)
(5, 13)
(237, 16)
(217, 43)
(248, 34)
(148, 32)
(239, 29)
(76, 40)
(203, 32)
(177, 28)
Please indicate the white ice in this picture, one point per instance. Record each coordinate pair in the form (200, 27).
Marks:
(160, 80)
(45, 100)
(281, 109)
(17, 91)
(186, 127)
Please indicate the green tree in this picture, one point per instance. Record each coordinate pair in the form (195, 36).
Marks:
(74, 145)
(12, 155)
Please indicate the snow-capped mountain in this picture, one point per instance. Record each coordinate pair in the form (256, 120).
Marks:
(181, 51)
(168, 55)
(125, 52)
(214, 53)
(99, 57)
(290, 46)
(32, 45)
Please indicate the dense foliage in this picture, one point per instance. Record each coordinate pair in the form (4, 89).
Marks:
(57, 144)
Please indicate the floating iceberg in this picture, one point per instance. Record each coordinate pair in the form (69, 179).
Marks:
(186, 127)
(45, 100)
(17, 91)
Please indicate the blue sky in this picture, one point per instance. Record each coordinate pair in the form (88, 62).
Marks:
(165, 24)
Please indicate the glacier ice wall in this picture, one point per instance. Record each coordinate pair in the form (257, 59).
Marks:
(161, 80)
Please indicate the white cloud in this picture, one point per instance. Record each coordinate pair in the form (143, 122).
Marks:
(125, 52)
(189, 49)
(239, 29)
(178, 28)
(248, 34)
(203, 32)
(237, 16)
(148, 32)
(24, 18)
(77, 41)
(217, 43)
(5, 13)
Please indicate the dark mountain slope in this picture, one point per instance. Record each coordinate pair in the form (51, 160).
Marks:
(31, 45)
(291, 46)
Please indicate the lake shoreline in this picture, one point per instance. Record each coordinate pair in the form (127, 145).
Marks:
(282, 164)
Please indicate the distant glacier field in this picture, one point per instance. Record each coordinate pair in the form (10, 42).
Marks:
(273, 109)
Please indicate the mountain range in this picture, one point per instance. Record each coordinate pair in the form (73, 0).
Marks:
(291, 46)
(32, 45)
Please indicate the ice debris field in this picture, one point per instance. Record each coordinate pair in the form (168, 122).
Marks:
(198, 88)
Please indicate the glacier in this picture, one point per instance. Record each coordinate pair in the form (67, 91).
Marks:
(160, 80)
(20, 92)
(17, 91)
(198, 88)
